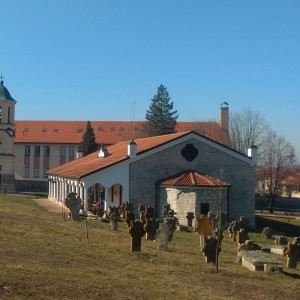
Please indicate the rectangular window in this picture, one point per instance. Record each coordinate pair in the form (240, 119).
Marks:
(62, 151)
(121, 129)
(55, 130)
(36, 173)
(46, 173)
(47, 150)
(27, 173)
(112, 128)
(37, 150)
(71, 151)
(27, 150)
(100, 128)
(44, 129)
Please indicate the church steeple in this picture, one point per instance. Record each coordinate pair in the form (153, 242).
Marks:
(7, 136)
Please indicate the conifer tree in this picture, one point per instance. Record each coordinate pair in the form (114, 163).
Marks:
(160, 118)
(88, 144)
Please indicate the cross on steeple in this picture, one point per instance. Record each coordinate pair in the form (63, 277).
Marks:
(1, 77)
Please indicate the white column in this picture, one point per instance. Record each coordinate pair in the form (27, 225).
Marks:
(85, 199)
(107, 201)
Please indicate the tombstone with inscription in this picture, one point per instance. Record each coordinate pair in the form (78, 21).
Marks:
(293, 253)
(151, 228)
(73, 203)
(137, 232)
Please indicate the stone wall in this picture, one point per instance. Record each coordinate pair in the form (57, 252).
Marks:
(145, 173)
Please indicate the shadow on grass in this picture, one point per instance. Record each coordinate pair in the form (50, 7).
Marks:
(280, 227)
(292, 275)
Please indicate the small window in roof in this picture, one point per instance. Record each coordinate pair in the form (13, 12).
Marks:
(55, 130)
(112, 128)
(100, 128)
(79, 129)
(136, 129)
(121, 129)
(25, 130)
(44, 129)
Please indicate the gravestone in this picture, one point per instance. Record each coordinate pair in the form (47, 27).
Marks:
(141, 211)
(114, 218)
(190, 217)
(281, 240)
(242, 236)
(73, 203)
(267, 233)
(164, 233)
(149, 212)
(129, 218)
(210, 249)
(151, 228)
(137, 232)
(293, 253)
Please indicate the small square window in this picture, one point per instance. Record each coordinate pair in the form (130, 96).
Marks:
(55, 130)
(121, 129)
(112, 128)
(100, 128)
(79, 129)
(44, 129)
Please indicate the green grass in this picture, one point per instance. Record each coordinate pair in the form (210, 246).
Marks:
(43, 256)
(281, 226)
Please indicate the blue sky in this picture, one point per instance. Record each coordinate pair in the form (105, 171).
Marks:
(90, 60)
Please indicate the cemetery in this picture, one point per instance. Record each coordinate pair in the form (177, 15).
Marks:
(127, 253)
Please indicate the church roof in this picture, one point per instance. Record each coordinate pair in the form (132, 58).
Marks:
(194, 179)
(118, 153)
(4, 93)
(106, 132)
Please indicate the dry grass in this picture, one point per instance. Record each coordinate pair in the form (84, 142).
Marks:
(43, 256)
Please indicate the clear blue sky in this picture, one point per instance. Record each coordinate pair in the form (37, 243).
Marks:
(90, 60)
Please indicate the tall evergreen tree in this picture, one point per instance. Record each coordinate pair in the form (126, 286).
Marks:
(88, 144)
(160, 118)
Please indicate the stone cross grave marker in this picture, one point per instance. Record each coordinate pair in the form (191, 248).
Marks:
(73, 203)
(293, 253)
(151, 228)
(137, 232)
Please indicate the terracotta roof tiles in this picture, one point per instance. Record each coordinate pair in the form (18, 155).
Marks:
(192, 178)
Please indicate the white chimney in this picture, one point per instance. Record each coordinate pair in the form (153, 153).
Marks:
(103, 152)
(78, 154)
(131, 149)
(253, 153)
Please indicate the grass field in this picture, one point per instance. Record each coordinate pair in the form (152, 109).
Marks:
(43, 256)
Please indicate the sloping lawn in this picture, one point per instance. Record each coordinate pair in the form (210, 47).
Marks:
(43, 256)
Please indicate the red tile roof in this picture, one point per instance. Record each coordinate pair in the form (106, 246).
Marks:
(192, 178)
(106, 132)
(117, 153)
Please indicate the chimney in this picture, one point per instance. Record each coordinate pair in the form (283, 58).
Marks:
(253, 153)
(102, 152)
(78, 154)
(224, 123)
(131, 150)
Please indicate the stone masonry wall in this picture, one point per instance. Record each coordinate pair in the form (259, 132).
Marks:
(145, 173)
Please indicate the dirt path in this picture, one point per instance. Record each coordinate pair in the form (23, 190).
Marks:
(50, 205)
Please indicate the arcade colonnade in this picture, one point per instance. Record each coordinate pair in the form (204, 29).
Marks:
(60, 187)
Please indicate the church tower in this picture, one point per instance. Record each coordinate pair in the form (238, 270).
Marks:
(7, 136)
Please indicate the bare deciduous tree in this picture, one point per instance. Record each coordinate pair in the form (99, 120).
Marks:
(246, 128)
(277, 158)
